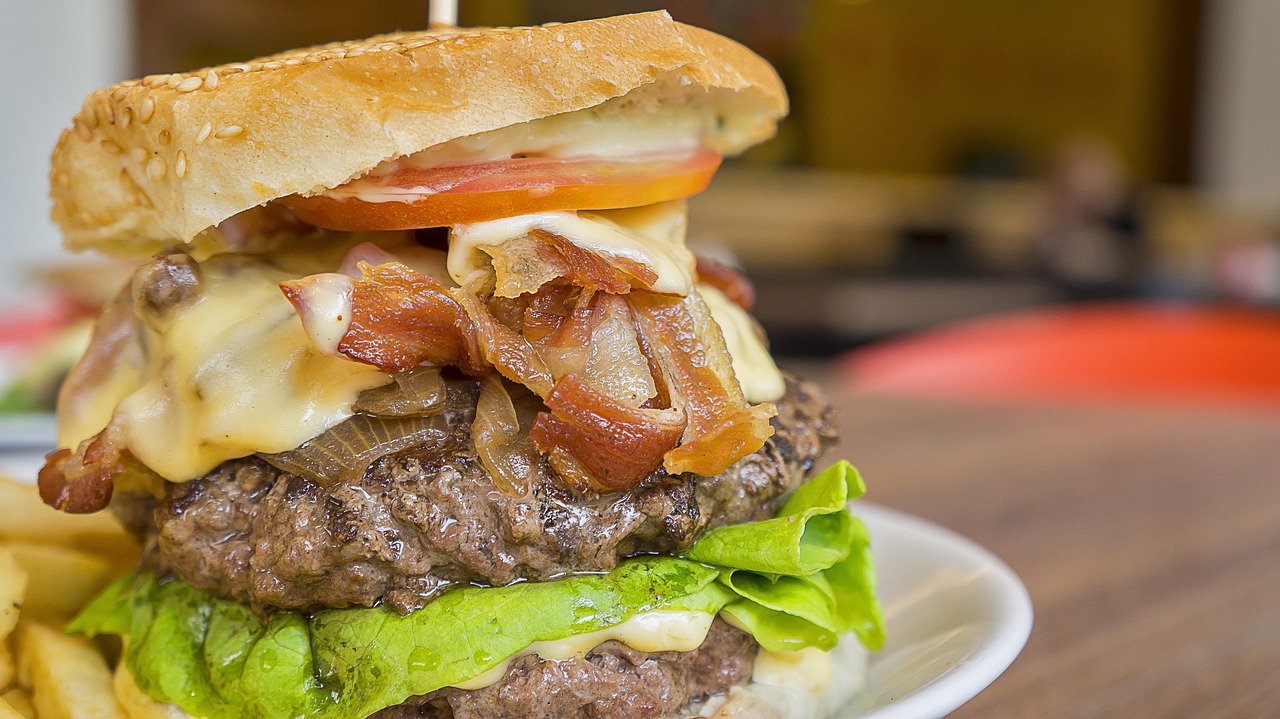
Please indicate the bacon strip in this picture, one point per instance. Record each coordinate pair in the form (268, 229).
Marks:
(689, 350)
(593, 271)
(615, 445)
(400, 319)
(504, 348)
(524, 265)
(82, 482)
(731, 282)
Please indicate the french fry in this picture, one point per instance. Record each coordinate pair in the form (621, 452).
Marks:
(20, 702)
(8, 712)
(25, 518)
(60, 580)
(137, 704)
(13, 589)
(7, 668)
(69, 677)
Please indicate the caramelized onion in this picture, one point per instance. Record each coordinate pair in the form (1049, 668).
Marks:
(342, 454)
(507, 454)
(731, 282)
(422, 391)
(615, 445)
(508, 351)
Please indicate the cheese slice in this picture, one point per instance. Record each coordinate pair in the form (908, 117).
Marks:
(752, 364)
(229, 375)
(656, 631)
(652, 236)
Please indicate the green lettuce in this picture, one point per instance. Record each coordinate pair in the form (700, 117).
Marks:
(801, 579)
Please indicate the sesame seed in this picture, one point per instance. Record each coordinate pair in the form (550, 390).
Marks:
(229, 131)
(146, 110)
(126, 116)
(108, 113)
(173, 80)
(83, 130)
(138, 154)
(155, 80)
(156, 168)
(164, 137)
(189, 84)
(211, 79)
(180, 165)
(111, 147)
(203, 135)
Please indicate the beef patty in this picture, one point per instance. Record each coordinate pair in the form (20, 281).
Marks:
(431, 516)
(613, 681)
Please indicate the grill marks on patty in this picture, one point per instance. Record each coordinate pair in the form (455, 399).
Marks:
(431, 516)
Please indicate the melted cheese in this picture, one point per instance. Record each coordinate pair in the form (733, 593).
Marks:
(658, 631)
(808, 669)
(754, 367)
(652, 236)
(227, 376)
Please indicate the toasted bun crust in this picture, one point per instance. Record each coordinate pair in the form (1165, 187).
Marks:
(161, 159)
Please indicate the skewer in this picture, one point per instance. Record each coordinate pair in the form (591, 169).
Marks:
(442, 13)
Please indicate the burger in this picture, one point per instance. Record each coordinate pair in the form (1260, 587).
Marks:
(422, 407)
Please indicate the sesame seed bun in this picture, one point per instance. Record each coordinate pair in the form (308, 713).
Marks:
(153, 161)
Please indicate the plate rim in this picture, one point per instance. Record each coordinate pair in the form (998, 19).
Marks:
(998, 648)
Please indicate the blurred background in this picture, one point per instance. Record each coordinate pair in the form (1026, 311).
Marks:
(944, 159)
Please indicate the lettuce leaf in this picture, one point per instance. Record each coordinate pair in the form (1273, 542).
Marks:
(801, 579)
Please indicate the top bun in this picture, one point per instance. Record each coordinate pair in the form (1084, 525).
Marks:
(159, 160)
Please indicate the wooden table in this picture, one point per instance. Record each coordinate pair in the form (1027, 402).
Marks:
(1149, 541)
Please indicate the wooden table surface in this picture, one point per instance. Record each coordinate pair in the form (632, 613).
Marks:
(1148, 539)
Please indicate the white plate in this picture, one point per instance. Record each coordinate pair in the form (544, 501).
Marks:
(955, 618)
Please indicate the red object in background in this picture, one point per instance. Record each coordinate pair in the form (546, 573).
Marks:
(1114, 351)
(25, 328)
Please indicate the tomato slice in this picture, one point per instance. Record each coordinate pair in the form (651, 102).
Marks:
(406, 197)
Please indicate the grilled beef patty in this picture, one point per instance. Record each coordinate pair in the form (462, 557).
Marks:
(431, 516)
(612, 681)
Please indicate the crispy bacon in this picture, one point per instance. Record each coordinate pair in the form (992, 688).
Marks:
(83, 481)
(400, 319)
(731, 282)
(524, 265)
(616, 446)
(504, 348)
(593, 271)
(689, 350)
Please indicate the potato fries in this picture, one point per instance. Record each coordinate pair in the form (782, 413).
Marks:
(13, 589)
(69, 677)
(19, 701)
(51, 565)
(8, 712)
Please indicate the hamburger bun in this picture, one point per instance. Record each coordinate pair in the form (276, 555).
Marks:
(157, 160)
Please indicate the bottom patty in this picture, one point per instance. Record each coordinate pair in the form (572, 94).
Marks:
(431, 517)
(612, 681)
